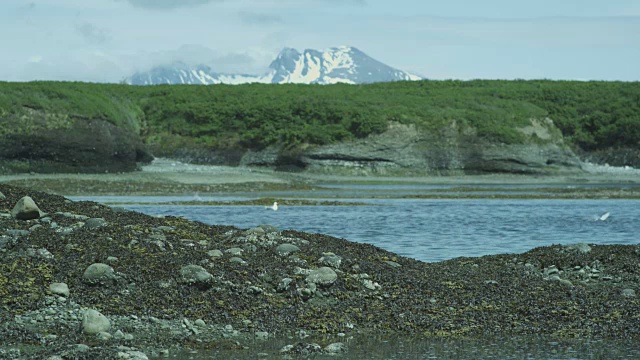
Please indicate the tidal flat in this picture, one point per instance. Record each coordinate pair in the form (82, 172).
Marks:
(166, 286)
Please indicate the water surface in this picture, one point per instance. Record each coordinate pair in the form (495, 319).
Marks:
(433, 230)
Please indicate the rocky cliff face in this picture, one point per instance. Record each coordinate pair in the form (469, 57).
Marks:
(41, 142)
(403, 149)
(48, 143)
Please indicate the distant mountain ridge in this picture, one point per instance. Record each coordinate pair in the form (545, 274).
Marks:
(344, 64)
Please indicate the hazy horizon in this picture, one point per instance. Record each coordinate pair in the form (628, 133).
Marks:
(109, 40)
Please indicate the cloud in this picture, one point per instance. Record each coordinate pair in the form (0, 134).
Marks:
(168, 4)
(92, 34)
(249, 62)
(253, 18)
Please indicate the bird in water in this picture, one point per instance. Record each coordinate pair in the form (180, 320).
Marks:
(604, 216)
(273, 207)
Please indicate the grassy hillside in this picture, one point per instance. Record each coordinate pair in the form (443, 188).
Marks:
(591, 115)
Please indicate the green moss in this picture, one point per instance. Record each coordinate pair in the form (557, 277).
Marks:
(26, 280)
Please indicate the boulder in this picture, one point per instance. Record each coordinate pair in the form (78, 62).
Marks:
(25, 209)
(98, 273)
(196, 275)
(324, 276)
(59, 289)
(93, 322)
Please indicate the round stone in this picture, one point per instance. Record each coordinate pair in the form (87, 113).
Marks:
(59, 289)
(286, 249)
(93, 322)
(95, 223)
(323, 276)
(195, 274)
(98, 272)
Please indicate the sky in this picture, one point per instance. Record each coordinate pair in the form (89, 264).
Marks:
(109, 40)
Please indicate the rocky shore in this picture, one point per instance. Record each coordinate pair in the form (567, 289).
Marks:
(83, 280)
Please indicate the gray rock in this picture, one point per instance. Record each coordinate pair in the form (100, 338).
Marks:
(324, 276)
(331, 259)
(629, 293)
(82, 348)
(579, 247)
(269, 229)
(59, 289)
(98, 273)
(16, 232)
(164, 228)
(41, 253)
(335, 348)
(255, 231)
(94, 223)
(234, 251)
(104, 336)
(73, 216)
(393, 264)
(25, 209)
(132, 355)
(93, 322)
(551, 270)
(284, 284)
(214, 253)
(195, 274)
(238, 260)
(286, 249)
(262, 335)
(2, 197)
(371, 285)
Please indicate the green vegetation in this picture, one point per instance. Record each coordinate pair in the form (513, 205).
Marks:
(591, 115)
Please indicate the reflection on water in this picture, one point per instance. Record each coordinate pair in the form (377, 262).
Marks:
(433, 230)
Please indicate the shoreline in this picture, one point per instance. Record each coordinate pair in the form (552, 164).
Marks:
(166, 176)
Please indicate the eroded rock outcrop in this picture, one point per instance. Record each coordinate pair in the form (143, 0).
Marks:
(405, 149)
(66, 143)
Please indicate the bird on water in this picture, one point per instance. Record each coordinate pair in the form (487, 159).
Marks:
(273, 207)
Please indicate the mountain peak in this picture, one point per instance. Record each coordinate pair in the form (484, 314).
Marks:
(341, 64)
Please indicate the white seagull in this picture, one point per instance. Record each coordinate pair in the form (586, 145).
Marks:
(273, 207)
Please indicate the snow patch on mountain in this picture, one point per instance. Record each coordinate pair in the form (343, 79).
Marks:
(344, 64)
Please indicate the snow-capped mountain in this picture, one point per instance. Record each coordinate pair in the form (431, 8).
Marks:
(336, 65)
